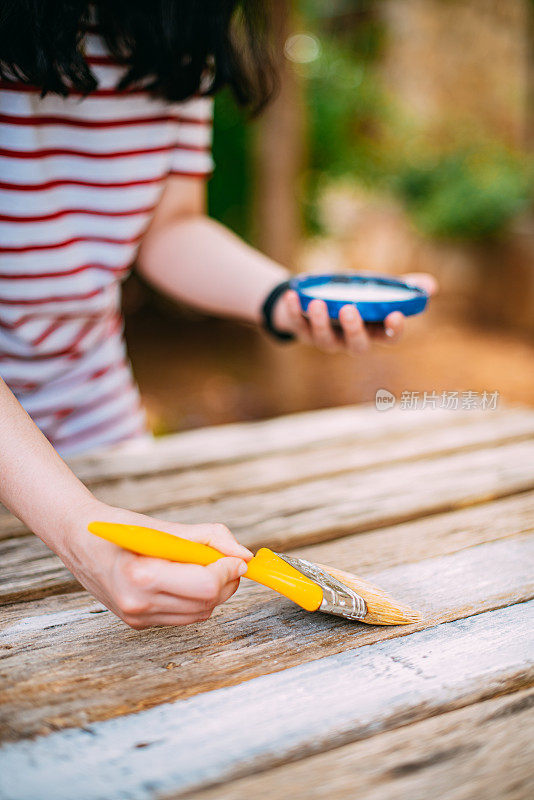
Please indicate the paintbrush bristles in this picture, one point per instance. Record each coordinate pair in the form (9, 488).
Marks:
(381, 608)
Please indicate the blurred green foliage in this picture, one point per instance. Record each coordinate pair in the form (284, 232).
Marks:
(230, 189)
(357, 131)
(464, 195)
(348, 109)
(348, 118)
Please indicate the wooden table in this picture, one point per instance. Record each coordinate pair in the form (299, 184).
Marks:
(265, 700)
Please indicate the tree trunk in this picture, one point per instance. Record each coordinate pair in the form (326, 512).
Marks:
(279, 150)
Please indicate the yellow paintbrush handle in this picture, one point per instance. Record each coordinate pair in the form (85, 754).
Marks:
(266, 567)
(154, 543)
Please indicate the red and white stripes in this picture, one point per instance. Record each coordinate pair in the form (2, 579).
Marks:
(79, 180)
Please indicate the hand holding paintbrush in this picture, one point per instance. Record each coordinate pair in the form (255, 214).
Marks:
(148, 592)
(312, 586)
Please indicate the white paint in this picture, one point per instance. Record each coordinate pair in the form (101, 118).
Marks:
(230, 732)
(359, 292)
(29, 626)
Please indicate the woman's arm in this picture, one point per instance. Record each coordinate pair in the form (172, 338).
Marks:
(40, 489)
(200, 262)
(194, 259)
(35, 483)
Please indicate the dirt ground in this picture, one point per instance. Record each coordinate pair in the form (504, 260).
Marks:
(196, 371)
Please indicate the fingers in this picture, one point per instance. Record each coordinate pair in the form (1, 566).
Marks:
(220, 537)
(300, 324)
(154, 589)
(392, 329)
(354, 332)
(171, 603)
(146, 591)
(230, 589)
(196, 610)
(389, 331)
(214, 534)
(207, 585)
(171, 618)
(322, 333)
(226, 570)
(354, 336)
(423, 280)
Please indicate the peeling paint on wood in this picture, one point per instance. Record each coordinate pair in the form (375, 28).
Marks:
(484, 751)
(75, 666)
(232, 732)
(435, 506)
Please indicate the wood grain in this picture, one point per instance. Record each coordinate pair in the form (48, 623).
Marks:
(318, 510)
(370, 448)
(29, 570)
(435, 506)
(240, 441)
(65, 661)
(261, 723)
(484, 751)
(292, 467)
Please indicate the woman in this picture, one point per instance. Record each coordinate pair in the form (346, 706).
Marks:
(104, 153)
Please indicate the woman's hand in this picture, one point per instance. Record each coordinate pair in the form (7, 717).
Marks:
(37, 486)
(352, 336)
(145, 592)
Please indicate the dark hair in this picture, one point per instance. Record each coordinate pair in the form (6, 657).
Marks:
(180, 47)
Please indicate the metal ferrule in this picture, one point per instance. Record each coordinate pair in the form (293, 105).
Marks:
(338, 598)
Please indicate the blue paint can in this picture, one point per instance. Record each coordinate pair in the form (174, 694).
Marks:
(375, 296)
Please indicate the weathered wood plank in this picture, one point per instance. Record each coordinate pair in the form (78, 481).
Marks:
(315, 511)
(63, 663)
(224, 443)
(29, 570)
(370, 449)
(327, 508)
(296, 465)
(485, 750)
(427, 537)
(233, 732)
(273, 471)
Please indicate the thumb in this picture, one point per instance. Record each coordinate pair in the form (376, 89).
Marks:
(423, 280)
(222, 539)
(228, 570)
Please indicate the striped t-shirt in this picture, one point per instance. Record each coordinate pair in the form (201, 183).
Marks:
(79, 180)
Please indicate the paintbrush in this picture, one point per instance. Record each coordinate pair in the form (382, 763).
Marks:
(313, 587)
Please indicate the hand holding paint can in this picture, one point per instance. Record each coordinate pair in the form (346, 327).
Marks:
(374, 296)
